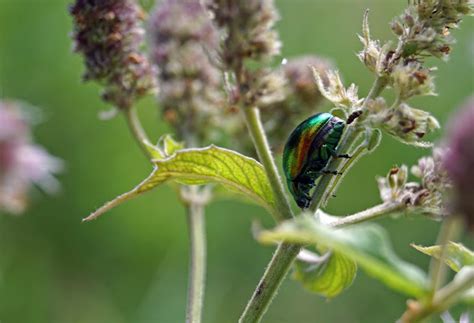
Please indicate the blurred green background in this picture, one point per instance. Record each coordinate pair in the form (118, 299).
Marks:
(131, 265)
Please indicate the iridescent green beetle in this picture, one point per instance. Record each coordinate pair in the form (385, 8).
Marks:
(307, 153)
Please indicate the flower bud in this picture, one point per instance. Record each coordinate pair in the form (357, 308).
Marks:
(409, 20)
(397, 28)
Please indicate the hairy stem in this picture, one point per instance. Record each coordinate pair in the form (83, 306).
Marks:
(197, 265)
(372, 213)
(285, 253)
(137, 130)
(270, 282)
(442, 300)
(254, 124)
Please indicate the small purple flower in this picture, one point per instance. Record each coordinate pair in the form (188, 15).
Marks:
(22, 163)
(459, 161)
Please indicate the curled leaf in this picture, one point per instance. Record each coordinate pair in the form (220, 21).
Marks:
(457, 255)
(368, 245)
(170, 146)
(328, 278)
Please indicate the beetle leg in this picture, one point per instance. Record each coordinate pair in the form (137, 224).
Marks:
(344, 156)
(325, 149)
(330, 172)
(302, 186)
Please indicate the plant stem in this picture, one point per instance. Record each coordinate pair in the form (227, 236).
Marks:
(254, 124)
(449, 294)
(197, 265)
(443, 299)
(437, 273)
(285, 253)
(372, 213)
(360, 151)
(270, 282)
(137, 130)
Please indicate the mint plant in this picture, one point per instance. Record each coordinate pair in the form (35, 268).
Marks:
(210, 64)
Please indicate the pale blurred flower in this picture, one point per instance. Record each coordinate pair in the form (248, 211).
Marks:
(22, 163)
(459, 161)
(183, 39)
(249, 27)
(300, 79)
(266, 87)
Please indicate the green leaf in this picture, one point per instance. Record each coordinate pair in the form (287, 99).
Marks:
(457, 255)
(202, 166)
(166, 147)
(367, 244)
(328, 278)
(154, 151)
(170, 146)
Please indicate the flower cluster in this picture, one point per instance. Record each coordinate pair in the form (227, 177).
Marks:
(108, 34)
(22, 163)
(459, 161)
(424, 26)
(422, 30)
(183, 39)
(404, 123)
(249, 29)
(428, 195)
(411, 79)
